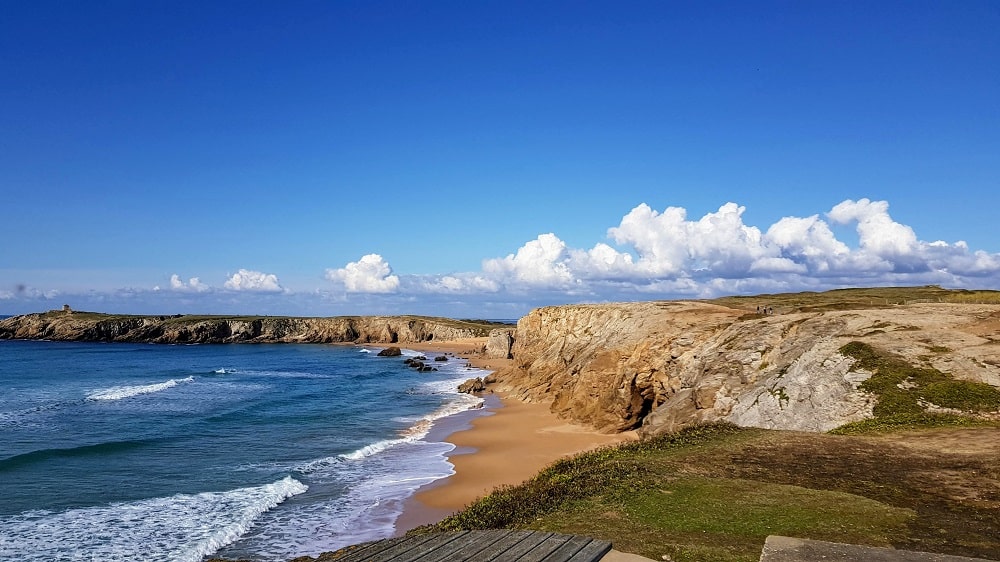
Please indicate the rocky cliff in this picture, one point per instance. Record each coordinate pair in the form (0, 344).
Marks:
(83, 326)
(661, 366)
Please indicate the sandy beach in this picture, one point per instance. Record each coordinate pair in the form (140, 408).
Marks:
(507, 442)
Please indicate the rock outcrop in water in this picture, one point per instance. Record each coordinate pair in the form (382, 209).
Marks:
(661, 366)
(83, 326)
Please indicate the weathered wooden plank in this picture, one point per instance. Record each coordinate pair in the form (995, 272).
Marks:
(515, 551)
(386, 549)
(543, 548)
(358, 551)
(593, 551)
(579, 549)
(408, 549)
(478, 545)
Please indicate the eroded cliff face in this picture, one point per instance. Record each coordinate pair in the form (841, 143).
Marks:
(662, 366)
(184, 329)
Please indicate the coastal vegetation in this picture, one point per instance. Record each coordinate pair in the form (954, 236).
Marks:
(860, 298)
(70, 325)
(909, 396)
(715, 492)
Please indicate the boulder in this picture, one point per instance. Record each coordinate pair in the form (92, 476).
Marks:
(390, 352)
(500, 343)
(440, 358)
(472, 386)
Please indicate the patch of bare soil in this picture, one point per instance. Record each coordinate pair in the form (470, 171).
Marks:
(949, 477)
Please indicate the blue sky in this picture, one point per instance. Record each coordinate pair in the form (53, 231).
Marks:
(483, 158)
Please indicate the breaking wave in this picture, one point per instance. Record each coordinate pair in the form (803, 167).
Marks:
(183, 527)
(120, 392)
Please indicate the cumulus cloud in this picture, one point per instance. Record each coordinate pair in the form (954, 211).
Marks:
(669, 244)
(370, 274)
(461, 283)
(540, 262)
(877, 232)
(720, 254)
(255, 281)
(193, 284)
(649, 254)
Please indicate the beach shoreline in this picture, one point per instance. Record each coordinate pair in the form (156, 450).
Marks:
(504, 443)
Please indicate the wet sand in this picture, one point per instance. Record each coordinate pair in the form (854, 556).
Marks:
(508, 443)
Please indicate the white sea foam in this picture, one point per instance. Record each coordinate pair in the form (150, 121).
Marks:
(377, 447)
(376, 489)
(420, 429)
(120, 392)
(364, 350)
(183, 527)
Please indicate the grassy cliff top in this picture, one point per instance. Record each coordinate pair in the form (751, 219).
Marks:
(716, 492)
(186, 318)
(846, 299)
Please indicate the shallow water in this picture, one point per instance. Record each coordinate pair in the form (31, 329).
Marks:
(122, 451)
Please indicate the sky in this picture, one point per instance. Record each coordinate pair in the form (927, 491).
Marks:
(479, 159)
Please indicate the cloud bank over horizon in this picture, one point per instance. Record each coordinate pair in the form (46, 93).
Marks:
(652, 254)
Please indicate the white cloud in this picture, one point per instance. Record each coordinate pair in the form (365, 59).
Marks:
(370, 274)
(720, 254)
(650, 254)
(877, 232)
(670, 245)
(255, 281)
(193, 284)
(464, 283)
(540, 262)
(600, 262)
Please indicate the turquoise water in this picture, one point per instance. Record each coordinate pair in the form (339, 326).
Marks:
(136, 451)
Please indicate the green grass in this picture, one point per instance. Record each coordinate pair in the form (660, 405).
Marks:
(478, 328)
(642, 498)
(903, 389)
(698, 518)
(902, 422)
(857, 298)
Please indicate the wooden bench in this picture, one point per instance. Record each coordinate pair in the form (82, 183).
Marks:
(479, 546)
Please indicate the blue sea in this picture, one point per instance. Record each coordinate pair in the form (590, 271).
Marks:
(172, 452)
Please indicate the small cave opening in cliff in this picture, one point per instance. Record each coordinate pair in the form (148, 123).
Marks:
(644, 410)
(393, 337)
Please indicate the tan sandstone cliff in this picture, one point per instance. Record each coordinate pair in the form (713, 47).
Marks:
(83, 326)
(660, 366)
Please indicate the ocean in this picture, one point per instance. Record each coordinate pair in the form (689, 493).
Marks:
(174, 452)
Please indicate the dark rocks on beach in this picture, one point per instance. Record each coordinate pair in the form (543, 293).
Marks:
(390, 352)
(440, 358)
(472, 386)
